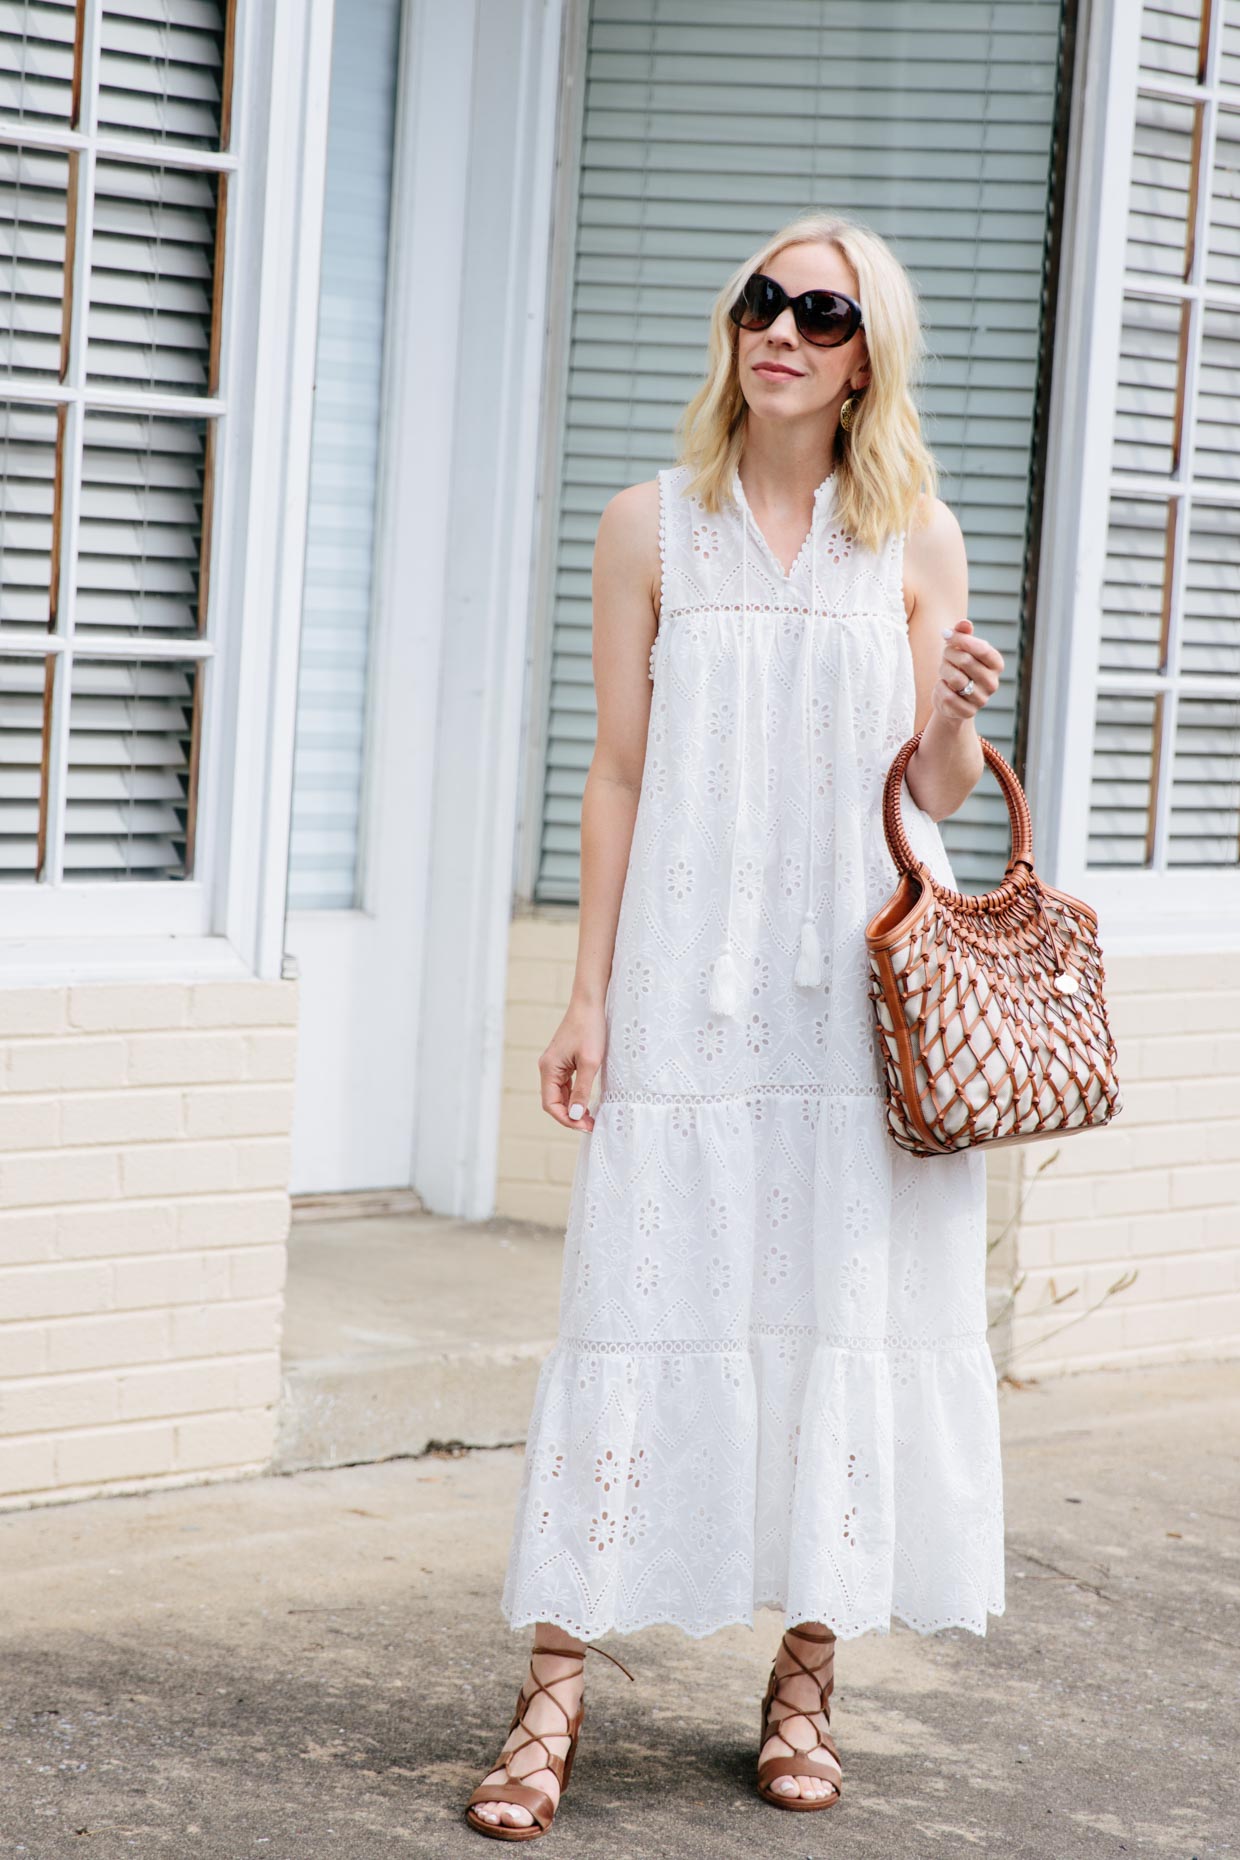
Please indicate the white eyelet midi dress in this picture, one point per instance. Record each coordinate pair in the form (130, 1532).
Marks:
(772, 1383)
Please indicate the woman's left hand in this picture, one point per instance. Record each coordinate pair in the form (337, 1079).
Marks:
(965, 656)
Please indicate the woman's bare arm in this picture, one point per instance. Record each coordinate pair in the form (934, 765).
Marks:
(625, 582)
(625, 591)
(948, 762)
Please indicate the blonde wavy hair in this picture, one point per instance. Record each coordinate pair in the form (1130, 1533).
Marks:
(882, 463)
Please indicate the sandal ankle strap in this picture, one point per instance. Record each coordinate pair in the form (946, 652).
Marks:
(823, 1675)
(580, 1653)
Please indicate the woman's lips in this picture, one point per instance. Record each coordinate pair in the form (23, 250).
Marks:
(774, 372)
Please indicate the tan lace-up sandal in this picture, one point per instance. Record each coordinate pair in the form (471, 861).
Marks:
(525, 1795)
(798, 1763)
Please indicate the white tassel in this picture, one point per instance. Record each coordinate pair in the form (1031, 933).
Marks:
(809, 962)
(725, 984)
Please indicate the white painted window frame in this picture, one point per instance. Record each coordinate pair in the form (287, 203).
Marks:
(1151, 911)
(229, 917)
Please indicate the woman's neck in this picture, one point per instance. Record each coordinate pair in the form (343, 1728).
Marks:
(781, 470)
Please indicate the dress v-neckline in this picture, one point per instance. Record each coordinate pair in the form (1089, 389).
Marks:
(786, 575)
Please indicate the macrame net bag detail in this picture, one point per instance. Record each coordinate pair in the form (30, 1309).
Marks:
(991, 1022)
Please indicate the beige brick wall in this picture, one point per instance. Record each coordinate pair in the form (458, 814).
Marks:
(536, 1156)
(1156, 1193)
(144, 1157)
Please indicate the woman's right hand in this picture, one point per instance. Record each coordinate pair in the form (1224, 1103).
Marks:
(570, 1063)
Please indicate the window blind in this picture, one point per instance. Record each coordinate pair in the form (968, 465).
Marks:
(152, 277)
(33, 211)
(329, 756)
(161, 71)
(705, 128)
(24, 685)
(37, 59)
(131, 748)
(28, 446)
(140, 535)
(1165, 787)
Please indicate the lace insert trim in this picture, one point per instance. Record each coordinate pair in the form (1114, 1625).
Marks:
(662, 573)
(681, 1099)
(738, 1346)
(783, 607)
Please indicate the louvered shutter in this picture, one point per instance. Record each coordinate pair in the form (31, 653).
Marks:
(1165, 787)
(703, 132)
(329, 757)
(147, 288)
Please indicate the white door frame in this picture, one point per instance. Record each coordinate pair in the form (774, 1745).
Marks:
(494, 513)
(360, 970)
(402, 1000)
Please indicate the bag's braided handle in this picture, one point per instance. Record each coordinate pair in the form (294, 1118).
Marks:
(1014, 795)
(1022, 844)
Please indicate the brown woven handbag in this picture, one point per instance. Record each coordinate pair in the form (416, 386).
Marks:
(991, 1021)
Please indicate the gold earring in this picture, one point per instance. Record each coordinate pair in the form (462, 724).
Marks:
(848, 413)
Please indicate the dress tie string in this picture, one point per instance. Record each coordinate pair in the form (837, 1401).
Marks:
(808, 971)
(725, 977)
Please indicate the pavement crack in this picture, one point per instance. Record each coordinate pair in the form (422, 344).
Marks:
(1069, 1575)
(1123, 1601)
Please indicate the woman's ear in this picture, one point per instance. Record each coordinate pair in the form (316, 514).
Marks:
(860, 377)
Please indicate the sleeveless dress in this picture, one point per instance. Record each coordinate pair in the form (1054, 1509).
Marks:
(772, 1383)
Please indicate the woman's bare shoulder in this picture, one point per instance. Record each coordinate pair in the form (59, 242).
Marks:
(934, 551)
(628, 535)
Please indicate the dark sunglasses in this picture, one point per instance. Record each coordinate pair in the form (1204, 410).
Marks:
(825, 318)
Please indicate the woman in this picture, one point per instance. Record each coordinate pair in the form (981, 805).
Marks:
(772, 1384)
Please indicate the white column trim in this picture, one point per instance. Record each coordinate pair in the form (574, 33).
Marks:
(1081, 424)
(494, 513)
(262, 610)
(541, 639)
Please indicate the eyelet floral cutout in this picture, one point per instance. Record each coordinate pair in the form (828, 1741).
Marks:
(837, 546)
(773, 1356)
(757, 1034)
(680, 878)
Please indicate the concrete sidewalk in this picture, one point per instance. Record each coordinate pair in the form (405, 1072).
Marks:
(314, 1667)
